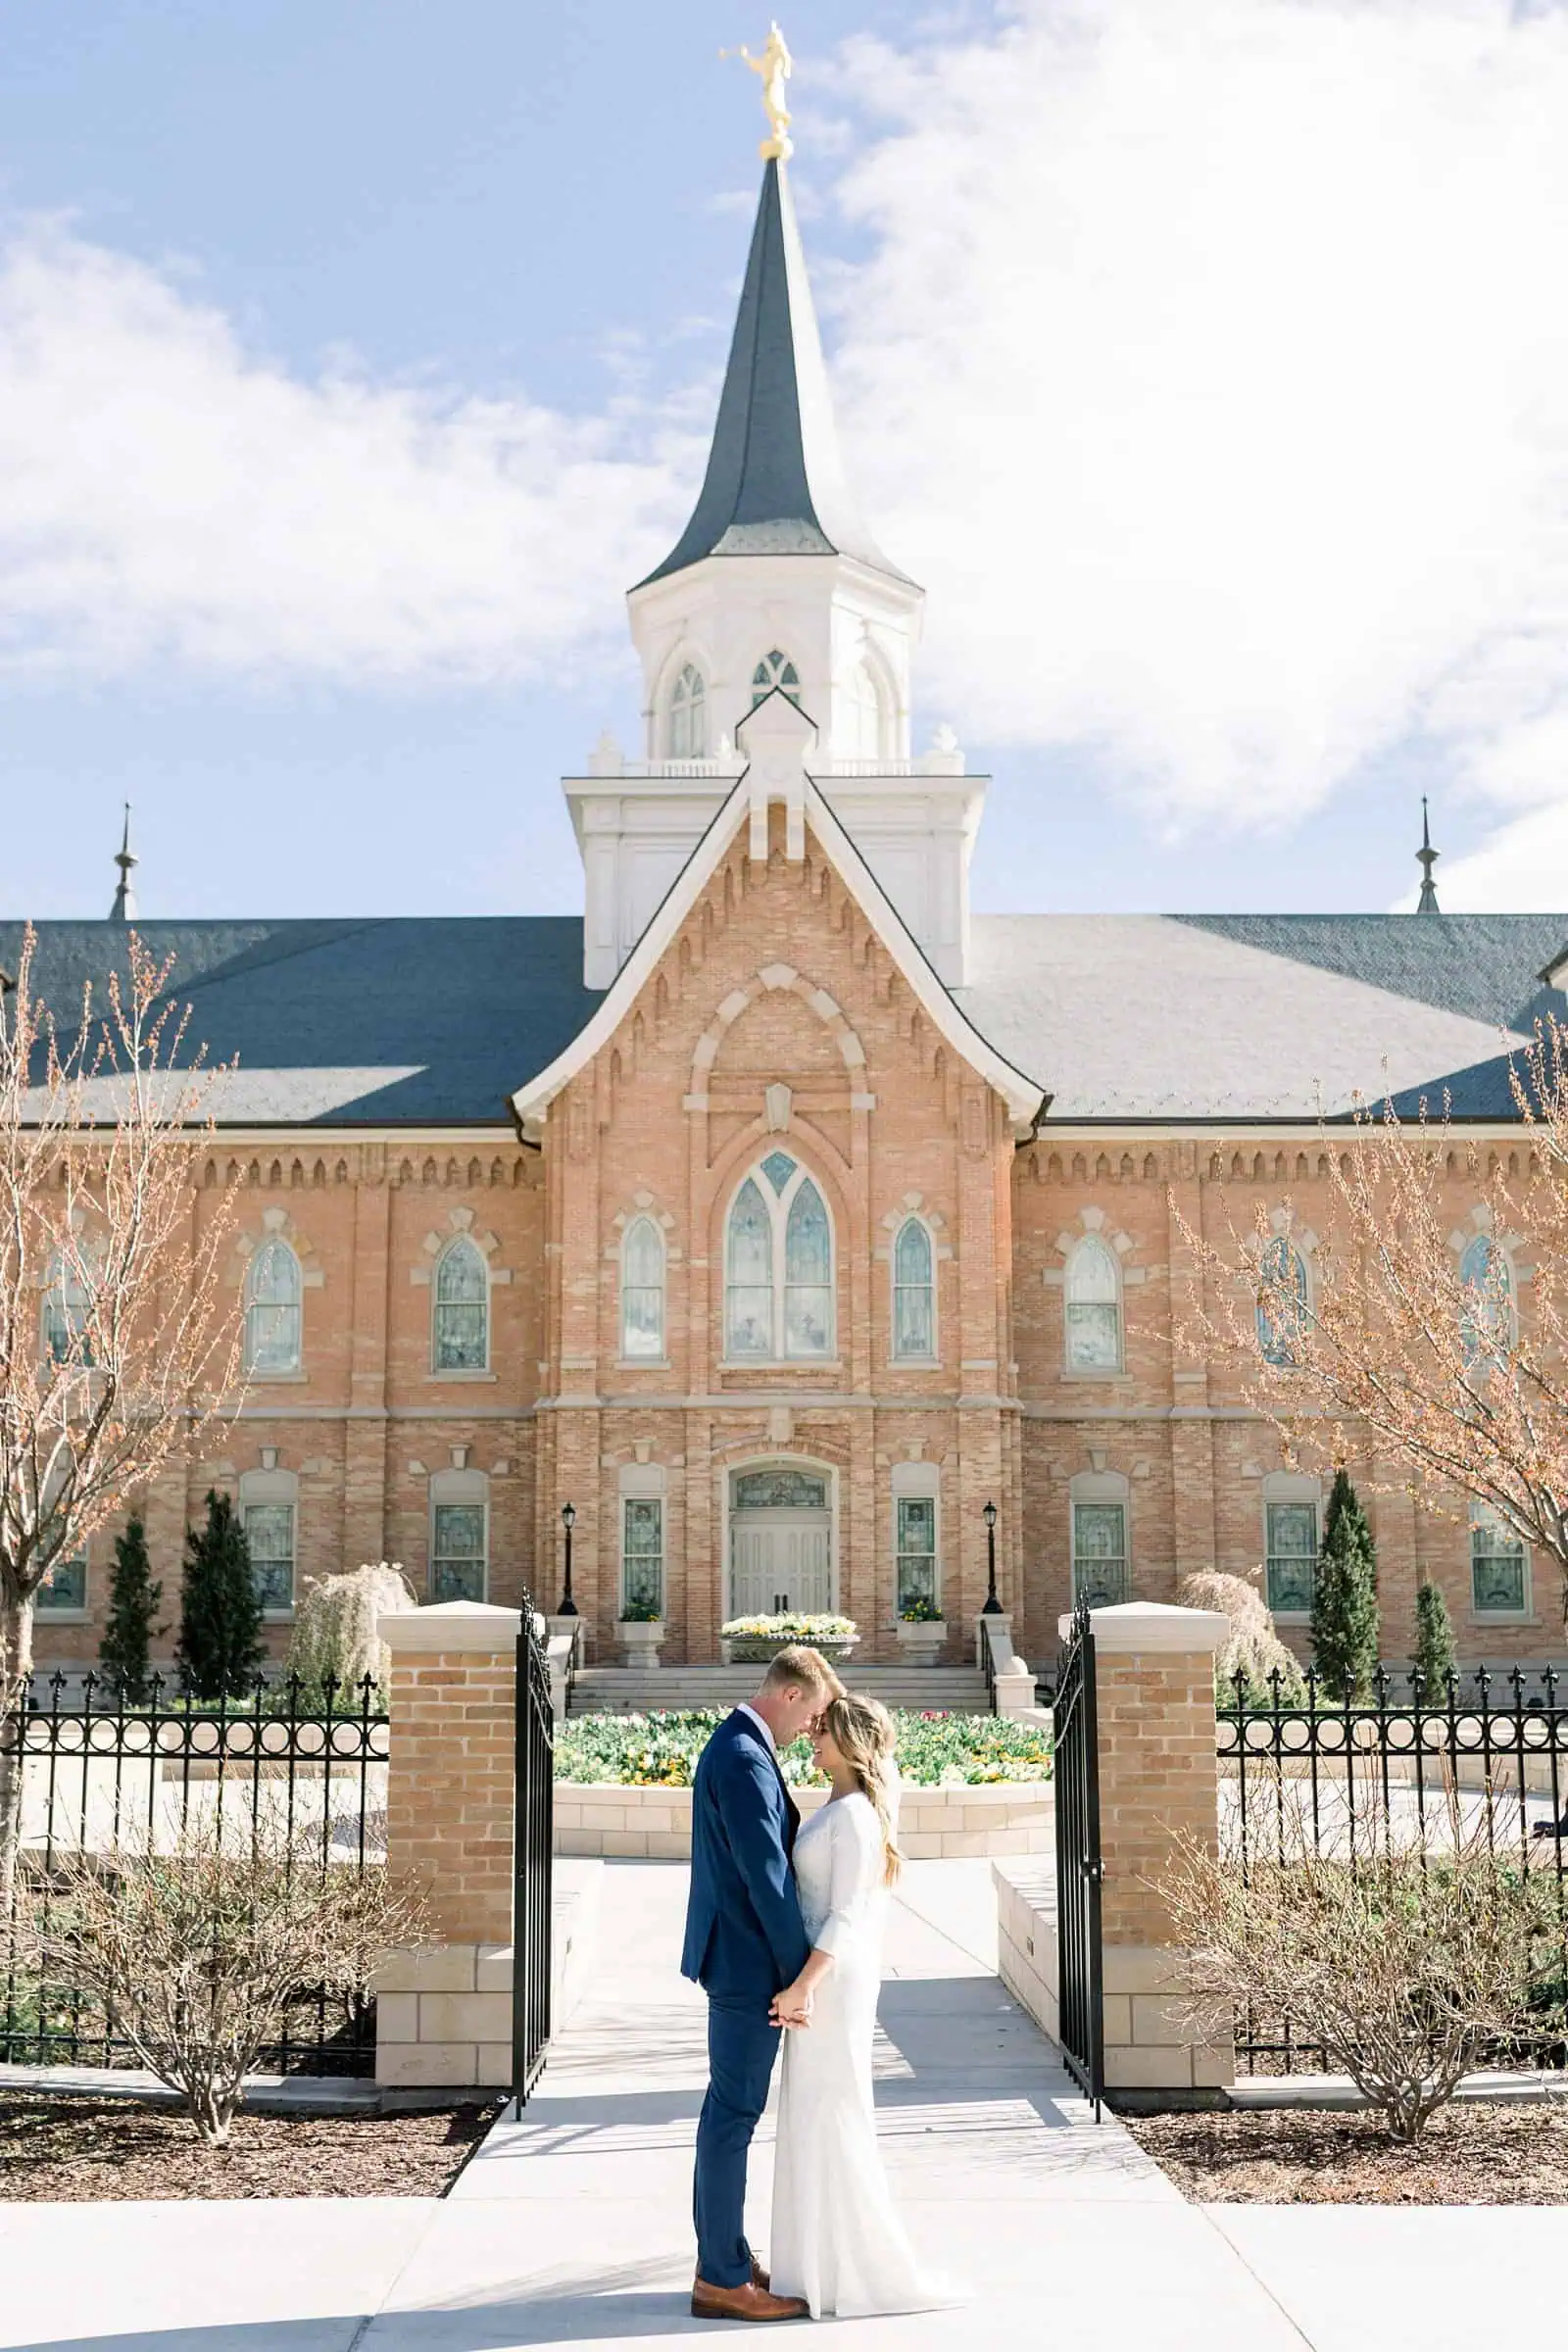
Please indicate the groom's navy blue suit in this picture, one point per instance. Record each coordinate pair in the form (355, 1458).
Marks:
(744, 1943)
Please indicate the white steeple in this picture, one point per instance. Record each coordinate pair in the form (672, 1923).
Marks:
(776, 582)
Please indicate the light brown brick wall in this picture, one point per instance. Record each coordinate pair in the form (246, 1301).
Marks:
(450, 1789)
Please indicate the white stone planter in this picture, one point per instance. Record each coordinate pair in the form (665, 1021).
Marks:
(641, 1640)
(922, 1641)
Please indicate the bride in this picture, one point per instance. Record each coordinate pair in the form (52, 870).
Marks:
(837, 2240)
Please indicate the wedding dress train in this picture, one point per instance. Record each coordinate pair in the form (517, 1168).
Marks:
(837, 2238)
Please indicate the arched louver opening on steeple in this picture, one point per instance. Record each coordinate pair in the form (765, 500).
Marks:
(688, 715)
(775, 669)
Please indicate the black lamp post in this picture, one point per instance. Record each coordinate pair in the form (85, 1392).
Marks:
(993, 1607)
(568, 1520)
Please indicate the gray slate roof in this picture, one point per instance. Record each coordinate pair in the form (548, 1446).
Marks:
(438, 1020)
(775, 484)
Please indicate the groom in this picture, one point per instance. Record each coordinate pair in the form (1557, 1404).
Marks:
(744, 1943)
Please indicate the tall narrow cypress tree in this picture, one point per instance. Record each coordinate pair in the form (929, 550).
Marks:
(1433, 1644)
(1344, 1600)
(221, 1651)
(133, 1601)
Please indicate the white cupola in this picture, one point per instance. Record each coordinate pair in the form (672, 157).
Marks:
(775, 583)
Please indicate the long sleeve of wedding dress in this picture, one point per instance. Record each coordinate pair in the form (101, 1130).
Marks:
(837, 2237)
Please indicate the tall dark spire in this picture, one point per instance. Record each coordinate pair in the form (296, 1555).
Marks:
(775, 484)
(1427, 857)
(124, 909)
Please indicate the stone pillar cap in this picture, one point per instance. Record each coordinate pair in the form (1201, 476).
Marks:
(450, 1625)
(1155, 1624)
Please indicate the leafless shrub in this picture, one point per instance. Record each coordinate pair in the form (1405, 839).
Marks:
(196, 1955)
(1403, 1963)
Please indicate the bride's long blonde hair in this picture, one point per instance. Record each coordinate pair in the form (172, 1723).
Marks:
(862, 1730)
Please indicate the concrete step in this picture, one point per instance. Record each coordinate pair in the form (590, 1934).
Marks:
(621, 1690)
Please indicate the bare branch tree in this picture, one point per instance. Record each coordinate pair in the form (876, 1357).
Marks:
(119, 1341)
(1435, 1321)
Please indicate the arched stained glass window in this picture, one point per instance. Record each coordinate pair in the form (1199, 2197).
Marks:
(1094, 1308)
(1487, 1280)
(914, 1320)
(1281, 1302)
(273, 1315)
(775, 669)
(461, 1334)
(688, 716)
(778, 1275)
(67, 1308)
(642, 1289)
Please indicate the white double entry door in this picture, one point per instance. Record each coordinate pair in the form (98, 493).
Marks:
(780, 1561)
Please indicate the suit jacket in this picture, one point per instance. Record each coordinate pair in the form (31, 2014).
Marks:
(744, 1937)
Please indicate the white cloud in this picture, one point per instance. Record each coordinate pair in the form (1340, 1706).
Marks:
(1210, 369)
(165, 494)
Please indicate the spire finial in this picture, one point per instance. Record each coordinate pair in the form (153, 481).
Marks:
(1427, 857)
(774, 68)
(124, 909)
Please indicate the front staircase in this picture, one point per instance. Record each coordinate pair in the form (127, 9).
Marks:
(626, 1691)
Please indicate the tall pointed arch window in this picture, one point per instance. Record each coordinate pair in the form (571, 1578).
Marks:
(642, 1291)
(1282, 1297)
(1488, 1319)
(1093, 1287)
(915, 1310)
(688, 715)
(461, 1340)
(776, 669)
(778, 1270)
(272, 1316)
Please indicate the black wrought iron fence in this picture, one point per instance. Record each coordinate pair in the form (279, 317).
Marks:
(1483, 1756)
(533, 1839)
(1079, 1870)
(113, 1782)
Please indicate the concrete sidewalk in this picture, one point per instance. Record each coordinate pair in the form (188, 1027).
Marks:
(572, 2225)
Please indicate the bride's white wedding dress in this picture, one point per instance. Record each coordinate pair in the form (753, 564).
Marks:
(837, 2238)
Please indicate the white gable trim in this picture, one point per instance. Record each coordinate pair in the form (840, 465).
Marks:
(746, 803)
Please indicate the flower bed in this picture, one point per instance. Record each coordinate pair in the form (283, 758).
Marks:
(935, 1751)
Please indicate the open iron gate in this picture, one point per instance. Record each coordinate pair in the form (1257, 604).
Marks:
(533, 1842)
(1079, 1869)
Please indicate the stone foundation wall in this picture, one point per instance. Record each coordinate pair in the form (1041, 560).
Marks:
(934, 1824)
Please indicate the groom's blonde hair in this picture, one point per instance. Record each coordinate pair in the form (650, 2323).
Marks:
(801, 1669)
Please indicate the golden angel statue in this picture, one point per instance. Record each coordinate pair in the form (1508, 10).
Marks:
(774, 68)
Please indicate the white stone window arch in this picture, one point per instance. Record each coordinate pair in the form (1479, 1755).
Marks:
(1293, 1534)
(686, 721)
(459, 1534)
(916, 1535)
(1099, 1535)
(778, 1266)
(1092, 1316)
(864, 727)
(914, 1265)
(776, 669)
(642, 1291)
(460, 1323)
(643, 1538)
(275, 1293)
(269, 1512)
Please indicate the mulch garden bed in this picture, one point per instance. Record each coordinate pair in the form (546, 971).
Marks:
(81, 2149)
(1474, 2154)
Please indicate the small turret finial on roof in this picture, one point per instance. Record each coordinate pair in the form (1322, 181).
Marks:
(124, 909)
(1427, 857)
(774, 68)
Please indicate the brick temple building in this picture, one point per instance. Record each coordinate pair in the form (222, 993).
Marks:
(780, 1213)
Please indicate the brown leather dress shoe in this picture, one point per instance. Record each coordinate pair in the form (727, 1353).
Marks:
(759, 2278)
(747, 2302)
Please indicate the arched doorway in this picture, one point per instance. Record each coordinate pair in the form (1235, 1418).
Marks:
(780, 1539)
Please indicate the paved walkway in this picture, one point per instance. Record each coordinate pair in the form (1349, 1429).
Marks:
(571, 2227)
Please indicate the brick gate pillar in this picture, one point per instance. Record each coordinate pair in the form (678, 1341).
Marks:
(1158, 1781)
(443, 2015)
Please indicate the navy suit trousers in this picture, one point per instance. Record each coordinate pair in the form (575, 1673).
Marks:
(742, 2047)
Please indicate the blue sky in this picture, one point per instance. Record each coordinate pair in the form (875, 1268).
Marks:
(355, 358)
